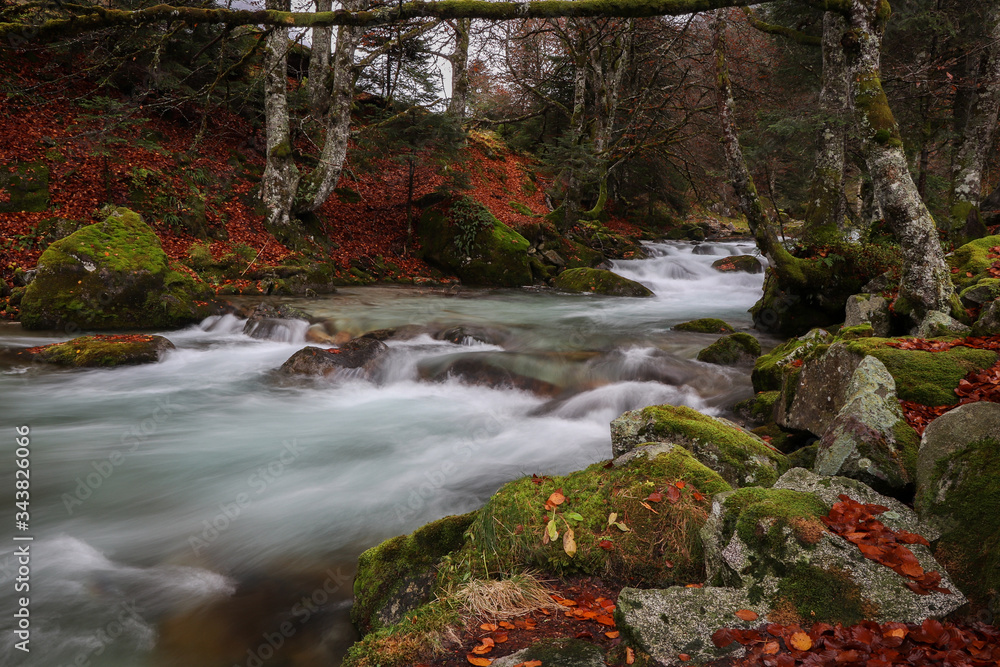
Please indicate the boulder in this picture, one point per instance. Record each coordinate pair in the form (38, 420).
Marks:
(772, 543)
(740, 263)
(358, 353)
(986, 290)
(599, 281)
(528, 372)
(469, 242)
(869, 309)
(705, 325)
(283, 323)
(972, 261)
(937, 324)
(111, 275)
(988, 323)
(737, 348)
(398, 575)
(467, 334)
(668, 622)
(769, 369)
(958, 491)
(869, 439)
(739, 456)
(556, 653)
(103, 351)
(811, 398)
(610, 527)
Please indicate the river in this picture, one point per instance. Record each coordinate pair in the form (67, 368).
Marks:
(180, 511)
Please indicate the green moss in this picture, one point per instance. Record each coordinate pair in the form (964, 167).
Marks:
(599, 281)
(731, 349)
(972, 258)
(970, 549)
(508, 532)
(908, 442)
(769, 368)
(804, 457)
(385, 569)
(737, 456)
(104, 351)
(985, 290)
(518, 207)
(705, 325)
(760, 407)
(855, 332)
(25, 186)
(760, 516)
(420, 638)
(823, 596)
(928, 378)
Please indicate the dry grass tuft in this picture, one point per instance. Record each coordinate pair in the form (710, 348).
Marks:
(490, 599)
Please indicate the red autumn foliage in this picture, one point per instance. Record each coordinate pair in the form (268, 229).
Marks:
(856, 523)
(868, 643)
(977, 386)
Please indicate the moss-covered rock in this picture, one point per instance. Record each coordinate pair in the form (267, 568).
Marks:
(738, 263)
(988, 323)
(564, 652)
(770, 369)
(972, 260)
(737, 348)
(984, 291)
(112, 275)
(103, 351)
(615, 536)
(398, 575)
(739, 456)
(869, 440)
(599, 281)
(474, 245)
(871, 310)
(759, 408)
(772, 544)
(705, 325)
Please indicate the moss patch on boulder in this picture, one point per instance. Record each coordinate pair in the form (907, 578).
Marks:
(615, 536)
(599, 281)
(705, 325)
(972, 260)
(739, 456)
(103, 351)
(111, 275)
(733, 349)
(469, 242)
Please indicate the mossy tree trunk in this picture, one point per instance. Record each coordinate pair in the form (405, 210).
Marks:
(459, 60)
(281, 176)
(975, 139)
(317, 187)
(827, 206)
(926, 281)
(319, 65)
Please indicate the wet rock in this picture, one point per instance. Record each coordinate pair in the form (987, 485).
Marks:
(869, 439)
(738, 263)
(739, 456)
(988, 323)
(267, 322)
(556, 653)
(469, 334)
(599, 281)
(868, 309)
(535, 373)
(737, 348)
(103, 351)
(668, 622)
(359, 353)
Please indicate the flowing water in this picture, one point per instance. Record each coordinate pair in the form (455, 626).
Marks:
(183, 512)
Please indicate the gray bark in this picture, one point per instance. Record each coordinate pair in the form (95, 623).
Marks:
(977, 138)
(319, 65)
(826, 208)
(281, 176)
(926, 281)
(459, 60)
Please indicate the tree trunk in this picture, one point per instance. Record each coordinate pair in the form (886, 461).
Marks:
(319, 65)
(459, 60)
(571, 202)
(926, 281)
(977, 139)
(826, 209)
(281, 176)
(322, 181)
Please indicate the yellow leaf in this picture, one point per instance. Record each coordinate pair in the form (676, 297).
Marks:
(551, 531)
(569, 544)
(612, 518)
(800, 641)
